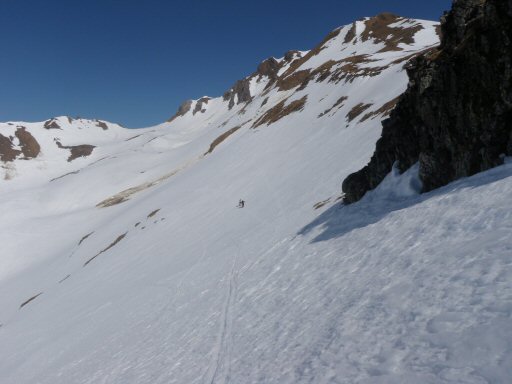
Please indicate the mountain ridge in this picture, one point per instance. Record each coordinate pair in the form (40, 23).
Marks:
(278, 86)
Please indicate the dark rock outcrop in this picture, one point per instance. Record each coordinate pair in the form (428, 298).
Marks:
(182, 110)
(101, 124)
(240, 93)
(380, 28)
(269, 67)
(292, 55)
(77, 151)
(7, 152)
(455, 118)
(52, 124)
(29, 147)
(200, 104)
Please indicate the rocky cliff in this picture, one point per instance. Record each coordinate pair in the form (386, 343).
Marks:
(455, 118)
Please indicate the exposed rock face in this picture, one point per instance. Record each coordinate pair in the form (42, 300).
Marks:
(28, 145)
(182, 110)
(77, 151)
(221, 138)
(391, 32)
(271, 67)
(240, 93)
(7, 152)
(101, 124)
(200, 104)
(52, 124)
(279, 111)
(382, 30)
(456, 116)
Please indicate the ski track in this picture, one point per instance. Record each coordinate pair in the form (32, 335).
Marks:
(220, 366)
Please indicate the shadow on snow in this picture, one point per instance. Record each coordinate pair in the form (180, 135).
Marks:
(341, 219)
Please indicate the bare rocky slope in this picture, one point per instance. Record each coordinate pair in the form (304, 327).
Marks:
(455, 118)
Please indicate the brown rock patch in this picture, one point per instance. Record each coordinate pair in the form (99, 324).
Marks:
(51, 124)
(382, 111)
(315, 51)
(240, 91)
(378, 28)
(182, 110)
(102, 125)
(338, 104)
(29, 145)
(85, 238)
(357, 110)
(111, 201)
(153, 213)
(7, 152)
(199, 105)
(350, 34)
(350, 69)
(221, 138)
(77, 151)
(293, 80)
(29, 300)
(279, 111)
(83, 150)
(114, 243)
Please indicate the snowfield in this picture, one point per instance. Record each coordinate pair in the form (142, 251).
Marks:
(133, 264)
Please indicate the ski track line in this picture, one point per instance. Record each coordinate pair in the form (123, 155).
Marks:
(221, 363)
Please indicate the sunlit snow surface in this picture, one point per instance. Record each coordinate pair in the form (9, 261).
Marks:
(398, 288)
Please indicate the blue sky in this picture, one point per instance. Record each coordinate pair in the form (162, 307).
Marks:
(134, 62)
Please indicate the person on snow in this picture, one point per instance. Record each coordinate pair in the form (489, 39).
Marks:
(241, 203)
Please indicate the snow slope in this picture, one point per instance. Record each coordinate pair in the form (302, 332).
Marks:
(132, 264)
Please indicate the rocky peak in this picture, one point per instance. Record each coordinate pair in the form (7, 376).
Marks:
(292, 55)
(52, 124)
(345, 54)
(269, 68)
(239, 93)
(200, 104)
(182, 109)
(390, 29)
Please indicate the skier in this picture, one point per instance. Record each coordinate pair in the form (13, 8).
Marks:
(241, 203)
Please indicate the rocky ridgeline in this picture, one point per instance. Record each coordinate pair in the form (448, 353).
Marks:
(455, 118)
(391, 31)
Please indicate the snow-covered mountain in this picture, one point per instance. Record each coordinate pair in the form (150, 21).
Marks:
(125, 259)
